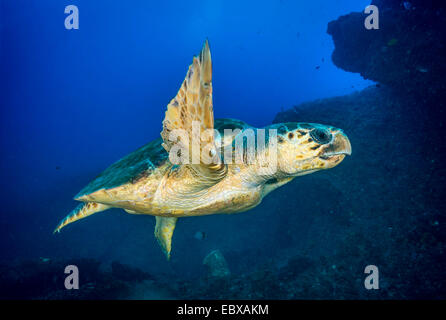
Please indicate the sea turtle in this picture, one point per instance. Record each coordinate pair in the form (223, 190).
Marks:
(149, 182)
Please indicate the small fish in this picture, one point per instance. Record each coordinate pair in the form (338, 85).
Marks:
(199, 235)
(318, 67)
(58, 168)
(45, 260)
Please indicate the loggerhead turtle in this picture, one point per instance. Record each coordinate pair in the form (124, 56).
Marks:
(148, 182)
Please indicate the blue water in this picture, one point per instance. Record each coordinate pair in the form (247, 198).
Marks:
(75, 101)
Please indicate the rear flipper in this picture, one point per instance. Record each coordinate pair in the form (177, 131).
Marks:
(81, 211)
(163, 233)
(163, 229)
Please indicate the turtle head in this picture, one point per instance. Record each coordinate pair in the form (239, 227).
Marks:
(304, 148)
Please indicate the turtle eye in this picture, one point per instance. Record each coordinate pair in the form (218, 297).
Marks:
(320, 135)
(282, 129)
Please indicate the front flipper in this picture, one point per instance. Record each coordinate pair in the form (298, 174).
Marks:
(163, 233)
(190, 117)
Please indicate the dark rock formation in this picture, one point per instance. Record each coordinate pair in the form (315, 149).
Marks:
(44, 279)
(127, 273)
(407, 53)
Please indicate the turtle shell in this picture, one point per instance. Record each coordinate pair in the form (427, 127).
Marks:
(142, 162)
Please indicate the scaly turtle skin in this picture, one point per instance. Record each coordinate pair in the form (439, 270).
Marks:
(147, 182)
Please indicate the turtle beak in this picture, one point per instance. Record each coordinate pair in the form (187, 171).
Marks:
(340, 145)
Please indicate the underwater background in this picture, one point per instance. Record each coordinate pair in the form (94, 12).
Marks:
(75, 101)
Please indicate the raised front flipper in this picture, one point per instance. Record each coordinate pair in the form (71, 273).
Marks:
(188, 126)
(163, 233)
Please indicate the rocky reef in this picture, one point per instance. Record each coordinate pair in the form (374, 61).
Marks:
(216, 265)
(44, 280)
(406, 52)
